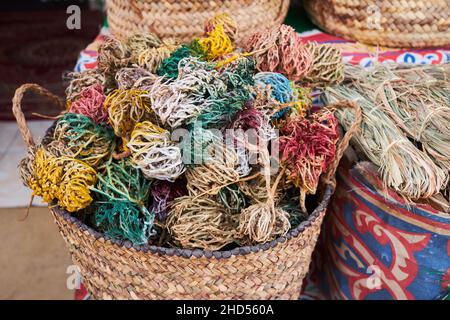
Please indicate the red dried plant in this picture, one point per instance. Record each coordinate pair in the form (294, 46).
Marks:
(308, 146)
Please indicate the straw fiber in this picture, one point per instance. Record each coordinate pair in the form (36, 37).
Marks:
(391, 23)
(118, 270)
(183, 20)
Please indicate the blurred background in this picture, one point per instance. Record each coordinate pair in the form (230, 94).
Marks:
(35, 46)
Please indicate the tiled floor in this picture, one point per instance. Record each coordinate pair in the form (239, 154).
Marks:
(33, 259)
(33, 256)
(12, 149)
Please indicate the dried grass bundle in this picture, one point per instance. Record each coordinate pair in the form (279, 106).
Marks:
(79, 137)
(308, 147)
(154, 153)
(135, 77)
(264, 221)
(139, 42)
(218, 170)
(403, 167)
(216, 44)
(121, 202)
(150, 58)
(175, 102)
(280, 49)
(417, 100)
(63, 179)
(90, 103)
(228, 23)
(113, 55)
(81, 80)
(200, 223)
(327, 65)
(424, 117)
(126, 108)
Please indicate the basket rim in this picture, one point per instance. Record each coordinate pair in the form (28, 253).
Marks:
(200, 253)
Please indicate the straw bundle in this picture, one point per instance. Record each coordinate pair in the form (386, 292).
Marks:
(154, 153)
(200, 223)
(228, 23)
(327, 66)
(219, 169)
(280, 49)
(63, 179)
(78, 136)
(135, 77)
(389, 105)
(416, 99)
(126, 108)
(81, 80)
(121, 203)
(90, 103)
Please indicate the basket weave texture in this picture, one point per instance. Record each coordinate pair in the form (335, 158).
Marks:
(391, 23)
(183, 19)
(115, 270)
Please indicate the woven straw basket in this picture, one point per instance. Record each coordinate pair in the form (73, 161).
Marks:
(183, 19)
(118, 270)
(391, 23)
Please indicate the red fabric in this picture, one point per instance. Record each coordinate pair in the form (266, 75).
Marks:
(373, 245)
(81, 293)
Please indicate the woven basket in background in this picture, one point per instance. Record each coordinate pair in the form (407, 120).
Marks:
(391, 23)
(183, 19)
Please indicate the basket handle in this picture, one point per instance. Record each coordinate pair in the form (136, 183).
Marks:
(329, 177)
(17, 108)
